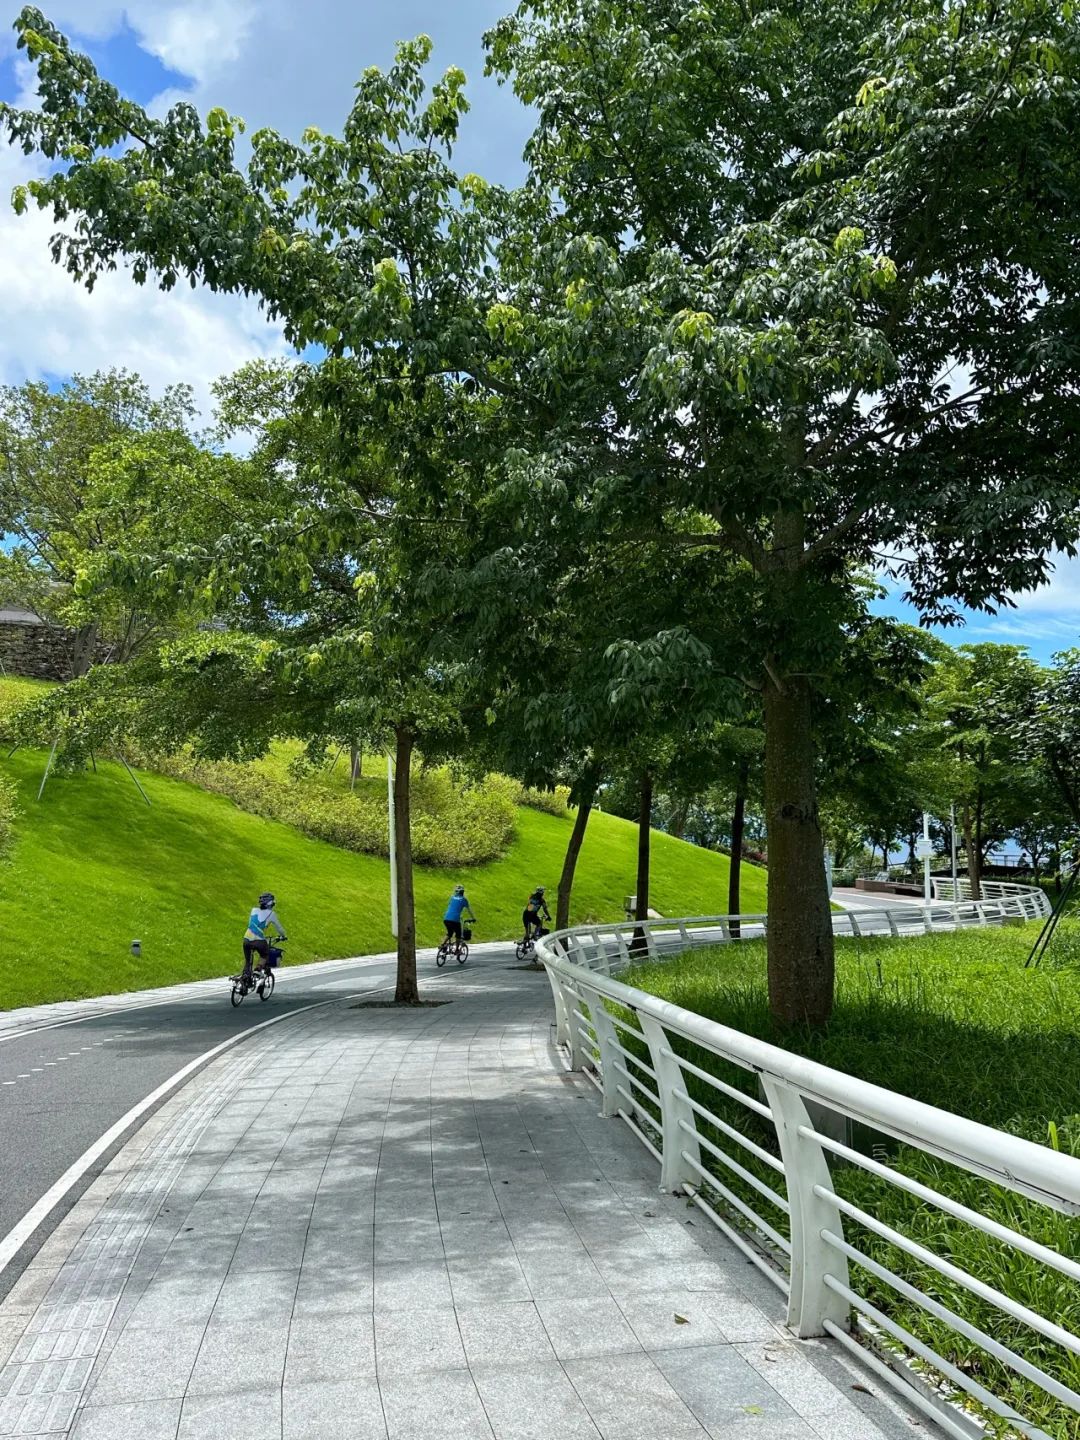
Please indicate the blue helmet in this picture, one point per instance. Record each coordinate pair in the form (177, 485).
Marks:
(266, 901)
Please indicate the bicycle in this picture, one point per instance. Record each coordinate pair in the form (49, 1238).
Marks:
(526, 948)
(456, 946)
(261, 979)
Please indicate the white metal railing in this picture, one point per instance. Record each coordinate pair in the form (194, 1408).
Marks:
(1031, 896)
(759, 1161)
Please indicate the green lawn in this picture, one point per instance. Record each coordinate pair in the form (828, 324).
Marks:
(93, 868)
(957, 1021)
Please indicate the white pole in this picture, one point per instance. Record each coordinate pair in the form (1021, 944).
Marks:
(393, 843)
(926, 858)
(952, 839)
(48, 766)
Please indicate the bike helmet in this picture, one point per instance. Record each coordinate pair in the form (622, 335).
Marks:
(266, 901)
(459, 889)
(540, 889)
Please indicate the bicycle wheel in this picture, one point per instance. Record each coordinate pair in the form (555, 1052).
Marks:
(462, 953)
(238, 993)
(522, 949)
(266, 989)
(440, 955)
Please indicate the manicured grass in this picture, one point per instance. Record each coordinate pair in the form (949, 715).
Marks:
(92, 868)
(957, 1021)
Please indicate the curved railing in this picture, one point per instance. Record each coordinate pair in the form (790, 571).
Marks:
(754, 1136)
(991, 891)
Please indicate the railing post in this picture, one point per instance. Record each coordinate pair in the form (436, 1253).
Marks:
(606, 1039)
(566, 1024)
(578, 1054)
(674, 1170)
(562, 1018)
(806, 1171)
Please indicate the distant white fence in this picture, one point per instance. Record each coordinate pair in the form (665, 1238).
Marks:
(776, 1200)
(991, 891)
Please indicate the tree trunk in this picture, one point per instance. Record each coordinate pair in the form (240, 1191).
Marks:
(800, 934)
(82, 654)
(971, 855)
(586, 795)
(738, 825)
(641, 905)
(677, 823)
(407, 992)
(356, 758)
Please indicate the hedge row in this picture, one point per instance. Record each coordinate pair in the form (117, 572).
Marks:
(452, 824)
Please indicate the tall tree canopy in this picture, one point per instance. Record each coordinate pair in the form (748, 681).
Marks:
(829, 253)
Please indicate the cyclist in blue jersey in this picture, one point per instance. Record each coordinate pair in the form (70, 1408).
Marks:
(256, 936)
(457, 909)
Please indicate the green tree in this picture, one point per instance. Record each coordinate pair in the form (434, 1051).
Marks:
(974, 696)
(822, 257)
(95, 466)
(1049, 731)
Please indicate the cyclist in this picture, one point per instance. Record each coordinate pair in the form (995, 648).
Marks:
(457, 909)
(256, 939)
(535, 907)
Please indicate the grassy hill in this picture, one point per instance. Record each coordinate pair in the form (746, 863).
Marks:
(92, 868)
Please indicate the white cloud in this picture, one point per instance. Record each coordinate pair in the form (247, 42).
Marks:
(275, 63)
(52, 326)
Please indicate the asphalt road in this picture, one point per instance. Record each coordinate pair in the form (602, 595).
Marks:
(62, 1088)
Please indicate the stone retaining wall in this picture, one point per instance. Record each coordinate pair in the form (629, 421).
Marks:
(36, 652)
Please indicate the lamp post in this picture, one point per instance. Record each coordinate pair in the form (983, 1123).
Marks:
(393, 843)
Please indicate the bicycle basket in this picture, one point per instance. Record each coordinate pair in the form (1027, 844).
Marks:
(466, 933)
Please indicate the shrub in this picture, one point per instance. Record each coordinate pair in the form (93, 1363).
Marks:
(15, 695)
(552, 802)
(453, 824)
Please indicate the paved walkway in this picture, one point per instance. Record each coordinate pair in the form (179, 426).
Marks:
(370, 1223)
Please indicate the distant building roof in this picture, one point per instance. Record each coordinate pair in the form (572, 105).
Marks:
(17, 615)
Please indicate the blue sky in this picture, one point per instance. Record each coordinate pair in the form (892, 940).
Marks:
(278, 63)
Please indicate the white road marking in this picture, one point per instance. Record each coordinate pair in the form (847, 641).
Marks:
(202, 989)
(18, 1235)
